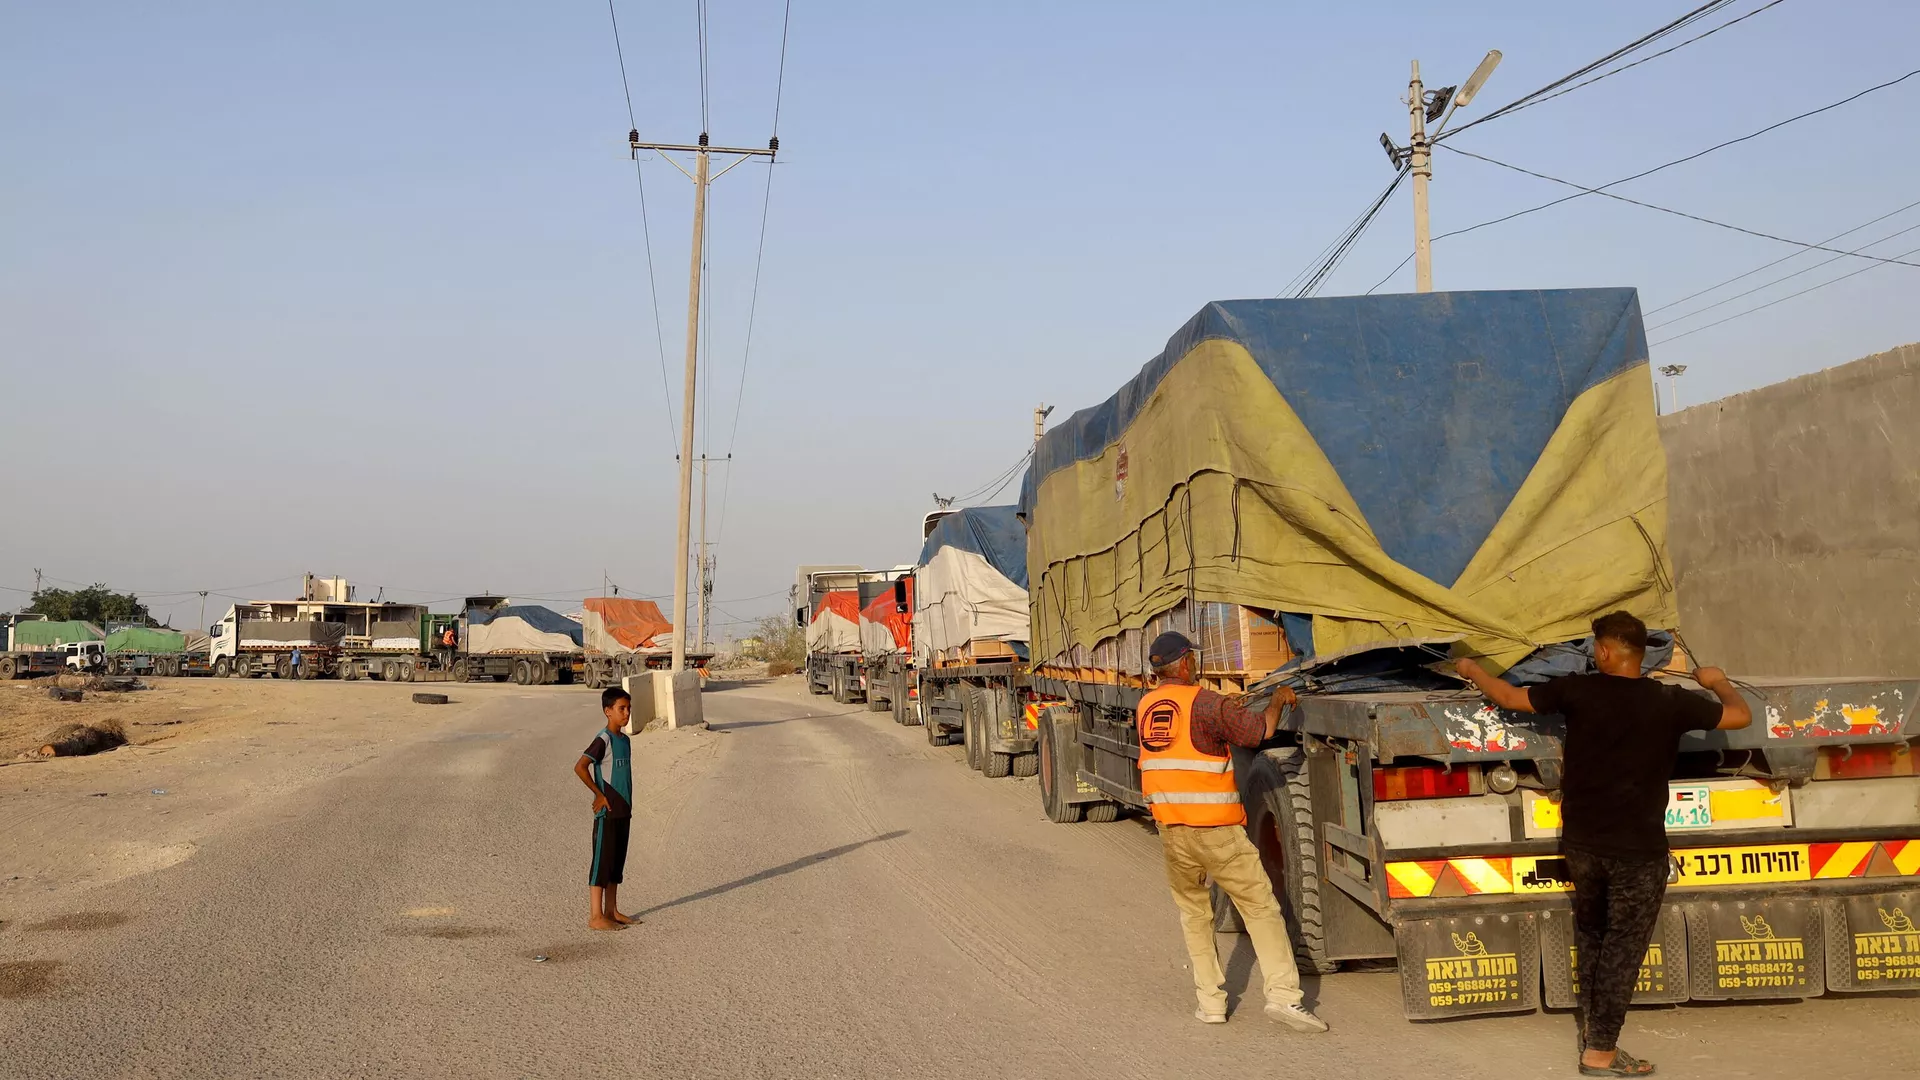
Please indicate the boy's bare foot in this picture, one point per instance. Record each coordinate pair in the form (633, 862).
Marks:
(624, 920)
(601, 922)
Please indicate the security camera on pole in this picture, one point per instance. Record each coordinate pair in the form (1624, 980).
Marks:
(1423, 106)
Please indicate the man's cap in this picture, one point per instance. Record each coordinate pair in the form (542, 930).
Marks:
(1168, 647)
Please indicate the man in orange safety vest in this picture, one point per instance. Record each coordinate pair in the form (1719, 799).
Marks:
(1186, 773)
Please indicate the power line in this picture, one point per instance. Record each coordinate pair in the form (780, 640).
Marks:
(1589, 68)
(646, 230)
(1668, 210)
(1780, 300)
(1533, 100)
(1781, 259)
(700, 19)
(1308, 281)
(1584, 191)
(1784, 277)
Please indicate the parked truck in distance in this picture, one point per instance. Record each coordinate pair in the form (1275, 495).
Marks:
(625, 637)
(827, 600)
(37, 646)
(1397, 812)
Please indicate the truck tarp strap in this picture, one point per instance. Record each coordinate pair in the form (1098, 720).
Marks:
(1207, 765)
(1194, 797)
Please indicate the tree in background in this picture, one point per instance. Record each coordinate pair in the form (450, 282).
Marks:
(95, 604)
(782, 644)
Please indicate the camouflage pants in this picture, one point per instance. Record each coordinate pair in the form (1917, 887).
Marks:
(1616, 902)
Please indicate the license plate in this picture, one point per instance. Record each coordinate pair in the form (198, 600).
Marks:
(1689, 807)
(1742, 865)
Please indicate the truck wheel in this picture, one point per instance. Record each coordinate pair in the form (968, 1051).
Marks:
(522, 673)
(1059, 762)
(936, 735)
(460, 670)
(1102, 813)
(836, 686)
(283, 668)
(973, 729)
(221, 669)
(876, 703)
(1280, 822)
(1027, 764)
(7, 667)
(998, 765)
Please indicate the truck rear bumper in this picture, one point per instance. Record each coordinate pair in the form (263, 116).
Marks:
(1468, 955)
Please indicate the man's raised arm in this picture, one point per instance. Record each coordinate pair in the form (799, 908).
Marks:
(1502, 693)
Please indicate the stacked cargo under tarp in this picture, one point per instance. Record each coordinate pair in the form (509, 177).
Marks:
(146, 639)
(611, 625)
(268, 634)
(970, 591)
(525, 628)
(834, 626)
(394, 635)
(886, 614)
(1443, 466)
(39, 635)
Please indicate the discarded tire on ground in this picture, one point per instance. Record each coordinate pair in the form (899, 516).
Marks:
(430, 699)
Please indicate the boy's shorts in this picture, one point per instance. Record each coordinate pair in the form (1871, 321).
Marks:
(609, 849)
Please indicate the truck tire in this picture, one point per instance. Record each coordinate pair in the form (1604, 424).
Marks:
(973, 728)
(429, 699)
(1102, 813)
(875, 703)
(998, 766)
(1059, 762)
(1027, 764)
(283, 668)
(7, 667)
(522, 673)
(837, 685)
(1280, 822)
(221, 668)
(460, 670)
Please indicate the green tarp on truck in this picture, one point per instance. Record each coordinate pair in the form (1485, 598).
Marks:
(33, 634)
(146, 639)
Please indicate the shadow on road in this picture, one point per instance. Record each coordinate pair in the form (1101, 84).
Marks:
(776, 871)
(741, 724)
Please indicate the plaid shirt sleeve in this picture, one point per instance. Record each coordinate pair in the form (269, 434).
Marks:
(1219, 722)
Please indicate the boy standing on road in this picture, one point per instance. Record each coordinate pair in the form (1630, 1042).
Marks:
(612, 810)
(1623, 735)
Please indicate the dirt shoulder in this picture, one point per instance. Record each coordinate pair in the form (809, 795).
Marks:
(201, 753)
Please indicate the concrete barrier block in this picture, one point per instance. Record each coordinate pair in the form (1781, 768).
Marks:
(640, 688)
(677, 698)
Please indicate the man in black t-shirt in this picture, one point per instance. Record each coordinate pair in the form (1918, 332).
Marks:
(1623, 735)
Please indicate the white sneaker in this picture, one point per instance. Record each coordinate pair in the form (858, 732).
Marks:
(1206, 1017)
(1297, 1017)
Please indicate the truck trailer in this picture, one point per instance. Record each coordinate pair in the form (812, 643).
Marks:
(970, 630)
(39, 646)
(624, 637)
(1363, 488)
(827, 608)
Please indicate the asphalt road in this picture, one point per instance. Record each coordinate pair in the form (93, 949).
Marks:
(823, 893)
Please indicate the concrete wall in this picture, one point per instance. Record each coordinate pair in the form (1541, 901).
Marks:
(1795, 528)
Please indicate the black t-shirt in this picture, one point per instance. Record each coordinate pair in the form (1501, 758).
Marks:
(1622, 738)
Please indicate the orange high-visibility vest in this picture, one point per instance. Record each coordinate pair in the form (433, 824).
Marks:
(1183, 786)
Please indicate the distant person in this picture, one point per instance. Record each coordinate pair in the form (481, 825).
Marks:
(1186, 773)
(1623, 736)
(293, 665)
(449, 639)
(612, 810)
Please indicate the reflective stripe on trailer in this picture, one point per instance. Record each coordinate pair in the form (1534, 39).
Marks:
(1449, 877)
(1865, 858)
(1206, 765)
(1194, 797)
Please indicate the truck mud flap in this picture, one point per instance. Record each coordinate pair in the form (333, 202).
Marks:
(1755, 949)
(1468, 965)
(1663, 970)
(1873, 941)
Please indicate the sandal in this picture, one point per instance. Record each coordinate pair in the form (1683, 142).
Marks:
(1624, 1064)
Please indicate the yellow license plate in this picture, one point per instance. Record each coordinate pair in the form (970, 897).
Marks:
(1743, 865)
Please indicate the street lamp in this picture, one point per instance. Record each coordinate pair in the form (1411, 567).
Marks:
(1423, 107)
(1673, 373)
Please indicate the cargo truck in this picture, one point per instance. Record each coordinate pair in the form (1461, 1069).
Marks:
(1365, 487)
(624, 637)
(155, 651)
(827, 608)
(970, 630)
(36, 645)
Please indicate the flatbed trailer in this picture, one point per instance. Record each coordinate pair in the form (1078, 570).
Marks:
(31, 663)
(1423, 827)
(985, 705)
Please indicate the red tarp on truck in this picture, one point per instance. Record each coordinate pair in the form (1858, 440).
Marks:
(615, 624)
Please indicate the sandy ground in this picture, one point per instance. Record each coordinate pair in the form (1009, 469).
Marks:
(339, 883)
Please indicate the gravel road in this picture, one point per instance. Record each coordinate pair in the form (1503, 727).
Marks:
(823, 893)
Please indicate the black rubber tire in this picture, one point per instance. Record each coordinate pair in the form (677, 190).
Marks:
(221, 668)
(7, 667)
(460, 670)
(1059, 767)
(1101, 813)
(935, 735)
(283, 668)
(998, 766)
(1279, 804)
(522, 673)
(874, 705)
(1027, 764)
(429, 699)
(973, 732)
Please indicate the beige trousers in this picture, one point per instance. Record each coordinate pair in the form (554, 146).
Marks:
(1224, 854)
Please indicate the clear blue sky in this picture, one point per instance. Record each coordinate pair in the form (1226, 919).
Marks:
(359, 288)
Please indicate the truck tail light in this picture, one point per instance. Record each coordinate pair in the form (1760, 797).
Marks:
(1889, 759)
(1420, 782)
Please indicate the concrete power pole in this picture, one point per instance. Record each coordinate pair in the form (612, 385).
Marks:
(1040, 421)
(702, 154)
(1420, 161)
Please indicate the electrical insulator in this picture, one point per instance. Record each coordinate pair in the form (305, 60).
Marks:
(703, 138)
(773, 144)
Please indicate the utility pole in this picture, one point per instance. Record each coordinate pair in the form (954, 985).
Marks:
(1420, 160)
(702, 154)
(1673, 373)
(701, 641)
(1040, 421)
(203, 608)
